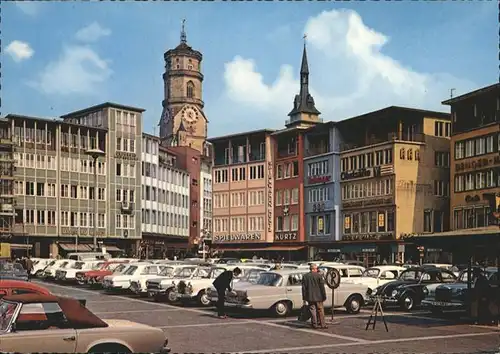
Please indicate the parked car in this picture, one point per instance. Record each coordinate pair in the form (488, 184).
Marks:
(94, 277)
(162, 288)
(347, 271)
(39, 265)
(68, 274)
(122, 281)
(280, 292)
(195, 288)
(139, 286)
(49, 272)
(455, 296)
(52, 324)
(407, 291)
(14, 271)
(376, 276)
(16, 287)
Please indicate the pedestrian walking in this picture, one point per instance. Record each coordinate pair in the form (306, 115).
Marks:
(482, 292)
(313, 295)
(221, 284)
(28, 266)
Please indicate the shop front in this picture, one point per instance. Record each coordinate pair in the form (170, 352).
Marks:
(159, 246)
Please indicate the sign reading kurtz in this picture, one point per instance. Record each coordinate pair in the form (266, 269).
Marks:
(285, 236)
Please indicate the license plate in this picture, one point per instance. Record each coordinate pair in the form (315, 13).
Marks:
(440, 303)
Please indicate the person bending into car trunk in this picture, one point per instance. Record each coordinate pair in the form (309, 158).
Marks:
(313, 295)
(221, 284)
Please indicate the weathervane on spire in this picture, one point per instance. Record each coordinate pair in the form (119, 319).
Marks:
(183, 31)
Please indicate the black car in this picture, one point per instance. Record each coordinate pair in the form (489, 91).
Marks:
(407, 291)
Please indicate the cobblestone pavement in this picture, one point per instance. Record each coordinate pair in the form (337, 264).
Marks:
(197, 330)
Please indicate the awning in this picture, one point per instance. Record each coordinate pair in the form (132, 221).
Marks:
(359, 248)
(112, 248)
(70, 247)
(20, 246)
(261, 249)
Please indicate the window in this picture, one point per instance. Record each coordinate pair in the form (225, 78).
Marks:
(287, 170)
(441, 188)
(40, 189)
(279, 197)
(118, 169)
(190, 89)
(459, 150)
(459, 183)
(489, 144)
(469, 148)
(295, 196)
(295, 169)
(287, 197)
(427, 221)
(442, 159)
(294, 223)
(30, 188)
(279, 223)
(279, 171)
(480, 146)
(469, 182)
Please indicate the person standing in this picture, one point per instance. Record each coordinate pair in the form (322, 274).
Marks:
(221, 284)
(482, 291)
(28, 266)
(313, 295)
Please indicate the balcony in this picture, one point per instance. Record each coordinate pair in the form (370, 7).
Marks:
(390, 137)
(127, 208)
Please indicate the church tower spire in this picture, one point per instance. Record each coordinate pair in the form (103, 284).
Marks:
(304, 109)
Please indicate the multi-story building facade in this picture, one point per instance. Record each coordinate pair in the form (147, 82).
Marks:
(165, 201)
(123, 168)
(243, 191)
(288, 150)
(475, 159)
(54, 186)
(394, 179)
(206, 194)
(322, 197)
(7, 172)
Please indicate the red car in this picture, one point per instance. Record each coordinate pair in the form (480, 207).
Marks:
(15, 287)
(94, 277)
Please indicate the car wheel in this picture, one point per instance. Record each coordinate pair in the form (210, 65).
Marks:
(353, 304)
(109, 348)
(281, 309)
(407, 302)
(170, 295)
(203, 298)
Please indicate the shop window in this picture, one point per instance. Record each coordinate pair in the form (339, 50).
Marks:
(364, 222)
(355, 223)
(373, 221)
(458, 219)
(321, 225)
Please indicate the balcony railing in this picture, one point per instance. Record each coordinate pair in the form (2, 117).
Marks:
(392, 136)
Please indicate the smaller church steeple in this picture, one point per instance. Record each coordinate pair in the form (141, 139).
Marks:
(304, 109)
(183, 31)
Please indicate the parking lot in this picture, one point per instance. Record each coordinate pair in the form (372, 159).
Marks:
(196, 330)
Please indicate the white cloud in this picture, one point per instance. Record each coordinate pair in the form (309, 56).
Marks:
(349, 75)
(28, 7)
(92, 33)
(79, 70)
(19, 50)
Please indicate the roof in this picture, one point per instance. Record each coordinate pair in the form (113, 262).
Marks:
(52, 120)
(78, 315)
(321, 127)
(101, 106)
(184, 49)
(472, 94)
(394, 109)
(237, 135)
(23, 285)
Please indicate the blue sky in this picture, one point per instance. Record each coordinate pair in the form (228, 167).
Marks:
(62, 56)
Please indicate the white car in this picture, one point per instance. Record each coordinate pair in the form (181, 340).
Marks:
(163, 288)
(347, 271)
(122, 281)
(50, 271)
(166, 270)
(375, 276)
(69, 274)
(250, 277)
(39, 265)
(195, 289)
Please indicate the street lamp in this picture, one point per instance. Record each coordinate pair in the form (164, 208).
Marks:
(95, 154)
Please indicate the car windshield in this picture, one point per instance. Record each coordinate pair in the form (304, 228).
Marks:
(252, 276)
(98, 266)
(371, 272)
(130, 271)
(214, 273)
(167, 271)
(78, 265)
(51, 263)
(410, 275)
(269, 279)
(7, 310)
(184, 272)
(120, 268)
(6, 267)
(63, 265)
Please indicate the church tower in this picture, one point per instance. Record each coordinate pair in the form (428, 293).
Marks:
(304, 112)
(183, 122)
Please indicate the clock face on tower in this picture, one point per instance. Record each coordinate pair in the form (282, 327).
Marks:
(189, 115)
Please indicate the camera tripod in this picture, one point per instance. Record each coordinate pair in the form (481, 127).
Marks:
(377, 309)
